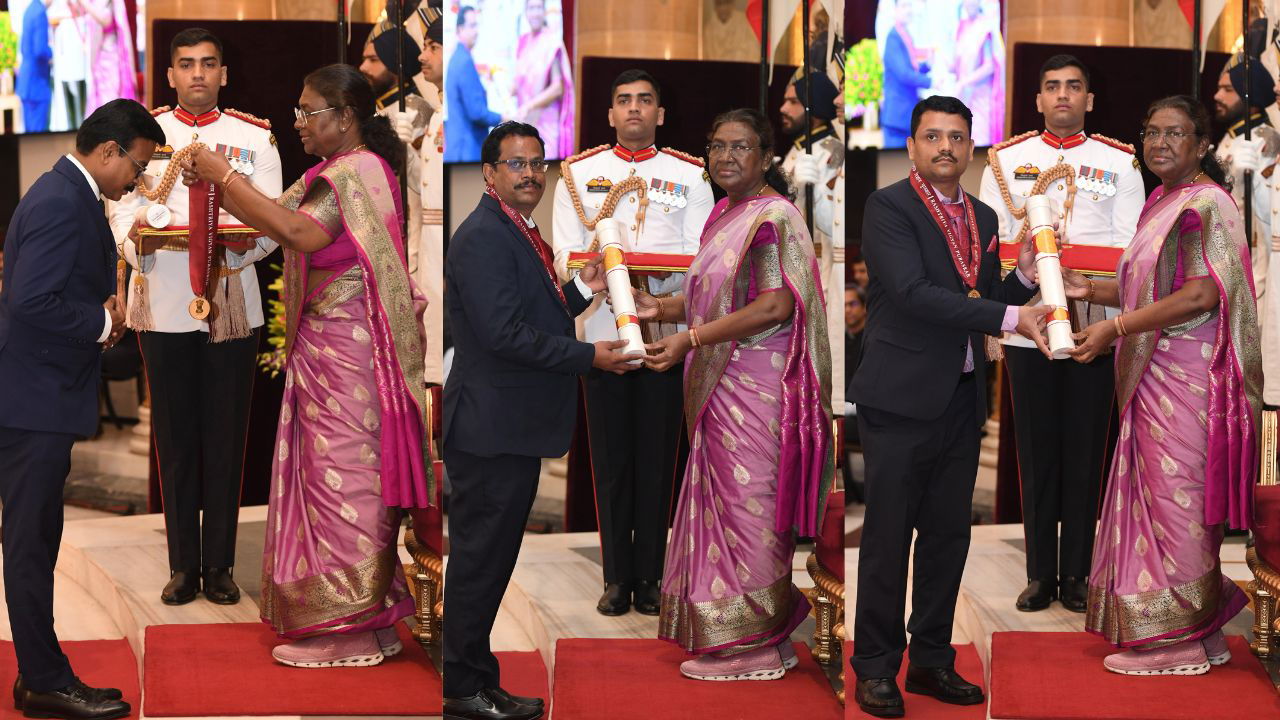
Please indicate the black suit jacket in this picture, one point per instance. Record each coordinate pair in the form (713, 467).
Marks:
(919, 317)
(513, 386)
(59, 268)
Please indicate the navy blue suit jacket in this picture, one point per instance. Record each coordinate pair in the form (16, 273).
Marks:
(919, 318)
(469, 115)
(59, 268)
(513, 385)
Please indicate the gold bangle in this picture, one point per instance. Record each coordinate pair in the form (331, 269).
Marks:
(1092, 288)
(693, 338)
(227, 185)
(1120, 329)
(230, 172)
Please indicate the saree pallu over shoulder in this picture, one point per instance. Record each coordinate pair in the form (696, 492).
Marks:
(364, 188)
(1235, 363)
(806, 462)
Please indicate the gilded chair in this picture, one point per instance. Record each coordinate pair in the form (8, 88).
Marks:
(425, 543)
(1263, 556)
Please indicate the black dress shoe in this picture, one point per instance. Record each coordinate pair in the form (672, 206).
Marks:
(616, 599)
(879, 697)
(183, 587)
(648, 598)
(76, 701)
(1074, 593)
(518, 699)
(1037, 596)
(488, 705)
(219, 588)
(20, 692)
(943, 683)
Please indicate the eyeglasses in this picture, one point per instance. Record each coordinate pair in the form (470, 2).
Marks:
(303, 115)
(737, 152)
(141, 168)
(517, 165)
(1172, 136)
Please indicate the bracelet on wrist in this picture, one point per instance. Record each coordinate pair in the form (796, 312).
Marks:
(1092, 288)
(694, 341)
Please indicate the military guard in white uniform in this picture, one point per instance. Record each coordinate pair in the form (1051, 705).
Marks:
(819, 169)
(428, 272)
(1061, 408)
(634, 419)
(1236, 153)
(200, 351)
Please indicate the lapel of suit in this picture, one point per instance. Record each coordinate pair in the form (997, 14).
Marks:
(934, 242)
(95, 209)
(528, 252)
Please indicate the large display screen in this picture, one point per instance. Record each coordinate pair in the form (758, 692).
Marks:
(941, 47)
(62, 59)
(506, 60)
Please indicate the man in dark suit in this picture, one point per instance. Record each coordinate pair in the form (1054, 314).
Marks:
(510, 400)
(935, 296)
(57, 311)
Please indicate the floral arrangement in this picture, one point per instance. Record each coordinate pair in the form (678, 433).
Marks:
(863, 78)
(272, 361)
(8, 44)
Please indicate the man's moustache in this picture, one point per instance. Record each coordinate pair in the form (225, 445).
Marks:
(530, 184)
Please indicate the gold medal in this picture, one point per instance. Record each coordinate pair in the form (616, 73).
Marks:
(974, 293)
(199, 308)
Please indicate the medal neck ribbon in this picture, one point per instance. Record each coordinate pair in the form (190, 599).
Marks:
(203, 202)
(966, 260)
(539, 245)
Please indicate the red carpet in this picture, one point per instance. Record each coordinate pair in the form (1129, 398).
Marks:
(1059, 675)
(99, 663)
(227, 669)
(524, 673)
(629, 679)
(923, 707)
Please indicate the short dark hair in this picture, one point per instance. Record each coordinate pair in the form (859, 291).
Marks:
(634, 75)
(191, 37)
(491, 150)
(121, 121)
(1057, 62)
(462, 16)
(942, 104)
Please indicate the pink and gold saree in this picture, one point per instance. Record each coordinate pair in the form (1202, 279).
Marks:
(1190, 399)
(761, 462)
(352, 441)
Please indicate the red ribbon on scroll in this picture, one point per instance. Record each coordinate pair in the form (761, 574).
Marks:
(204, 200)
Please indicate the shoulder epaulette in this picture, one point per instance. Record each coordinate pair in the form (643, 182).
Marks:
(1113, 143)
(586, 154)
(160, 110)
(684, 156)
(1016, 139)
(252, 120)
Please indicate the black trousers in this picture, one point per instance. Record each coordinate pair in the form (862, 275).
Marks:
(33, 471)
(200, 395)
(489, 505)
(919, 476)
(1061, 411)
(634, 422)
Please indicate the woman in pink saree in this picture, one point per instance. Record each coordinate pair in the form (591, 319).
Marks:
(352, 444)
(544, 82)
(758, 407)
(979, 69)
(111, 60)
(1189, 382)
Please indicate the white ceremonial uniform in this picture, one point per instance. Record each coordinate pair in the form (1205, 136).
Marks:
(168, 280)
(1266, 210)
(833, 288)
(429, 272)
(1261, 210)
(1109, 190)
(829, 151)
(672, 223)
(388, 106)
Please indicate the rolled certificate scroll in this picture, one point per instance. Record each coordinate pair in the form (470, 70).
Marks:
(617, 276)
(1049, 270)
